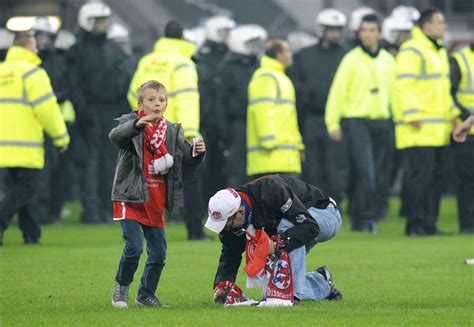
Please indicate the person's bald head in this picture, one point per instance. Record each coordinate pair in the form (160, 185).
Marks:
(279, 50)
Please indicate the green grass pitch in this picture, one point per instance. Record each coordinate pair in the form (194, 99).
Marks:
(387, 279)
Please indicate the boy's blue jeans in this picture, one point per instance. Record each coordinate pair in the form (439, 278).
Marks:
(134, 233)
(312, 285)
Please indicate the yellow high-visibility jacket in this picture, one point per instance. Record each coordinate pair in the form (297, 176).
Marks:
(170, 64)
(362, 88)
(68, 112)
(422, 90)
(27, 106)
(273, 137)
(465, 93)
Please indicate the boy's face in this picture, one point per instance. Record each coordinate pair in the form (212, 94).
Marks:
(153, 102)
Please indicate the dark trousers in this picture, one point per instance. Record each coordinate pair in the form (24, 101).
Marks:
(369, 144)
(326, 162)
(194, 208)
(134, 233)
(96, 164)
(236, 162)
(212, 169)
(63, 180)
(463, 155)
(56, 180)
(42, 199)
(22, 185)
(424, 179)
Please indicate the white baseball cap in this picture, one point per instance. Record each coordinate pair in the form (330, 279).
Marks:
(222, 206)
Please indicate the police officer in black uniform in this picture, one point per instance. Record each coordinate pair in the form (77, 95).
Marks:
(57, 175)
(99, 80)
(231, 82)
(312, 72)
(208, 58)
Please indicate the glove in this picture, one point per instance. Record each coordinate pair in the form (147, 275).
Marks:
(221, 290)
(229, 293)
(162, 165)
(280, 244)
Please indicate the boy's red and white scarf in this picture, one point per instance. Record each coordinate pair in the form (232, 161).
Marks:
(155, 141)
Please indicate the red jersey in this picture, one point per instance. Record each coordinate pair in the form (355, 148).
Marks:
(150, 213)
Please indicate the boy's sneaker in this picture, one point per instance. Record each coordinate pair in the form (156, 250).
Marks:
(120, 296)
(150, 301)
(334, 293)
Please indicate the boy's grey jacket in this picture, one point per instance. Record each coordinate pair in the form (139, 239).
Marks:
(129, 182)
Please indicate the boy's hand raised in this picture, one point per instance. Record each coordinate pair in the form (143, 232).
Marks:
(150, 119)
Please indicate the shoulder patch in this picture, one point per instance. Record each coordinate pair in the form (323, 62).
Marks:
(300, 218)
(284, 208)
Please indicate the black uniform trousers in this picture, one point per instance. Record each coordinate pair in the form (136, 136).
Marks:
(64, 177)
(236, 161)
(326, 161)
(194, 208)
(42, 199)
(21, 189)
(369, 145)
(463, 155)
(212, 171)
(424, 176)
(96, 162)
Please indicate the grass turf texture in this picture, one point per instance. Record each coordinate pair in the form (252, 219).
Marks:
(387, 279)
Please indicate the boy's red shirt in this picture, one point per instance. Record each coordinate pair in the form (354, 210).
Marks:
(150, 213)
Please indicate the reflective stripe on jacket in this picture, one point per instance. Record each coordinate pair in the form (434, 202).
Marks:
(422, 89)
(273, 137)
(362, 88)
(170, 63)
(465, 92)
(27, 106)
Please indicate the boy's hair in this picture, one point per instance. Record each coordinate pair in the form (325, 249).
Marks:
(155, 85)
(274, 47)
(426, 16)
(371, 18)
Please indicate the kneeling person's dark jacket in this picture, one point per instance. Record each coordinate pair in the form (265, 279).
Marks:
(273, 198)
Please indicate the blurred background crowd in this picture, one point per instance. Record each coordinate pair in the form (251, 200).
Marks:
(350, 145)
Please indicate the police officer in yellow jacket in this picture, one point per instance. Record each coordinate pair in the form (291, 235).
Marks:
(358, 109)
(27, 106)
(171, 64)
(423, 113)
(462, 90)
(274, 143)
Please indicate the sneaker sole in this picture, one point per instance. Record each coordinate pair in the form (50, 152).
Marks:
(148, 306)
(120, 304)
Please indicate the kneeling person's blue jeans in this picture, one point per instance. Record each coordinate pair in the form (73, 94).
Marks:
(312, 285)
(134, 233)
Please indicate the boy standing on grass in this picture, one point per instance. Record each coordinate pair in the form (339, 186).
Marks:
(148, 179)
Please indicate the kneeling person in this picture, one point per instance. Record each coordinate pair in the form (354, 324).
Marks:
(301, 214)
(147, 180)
